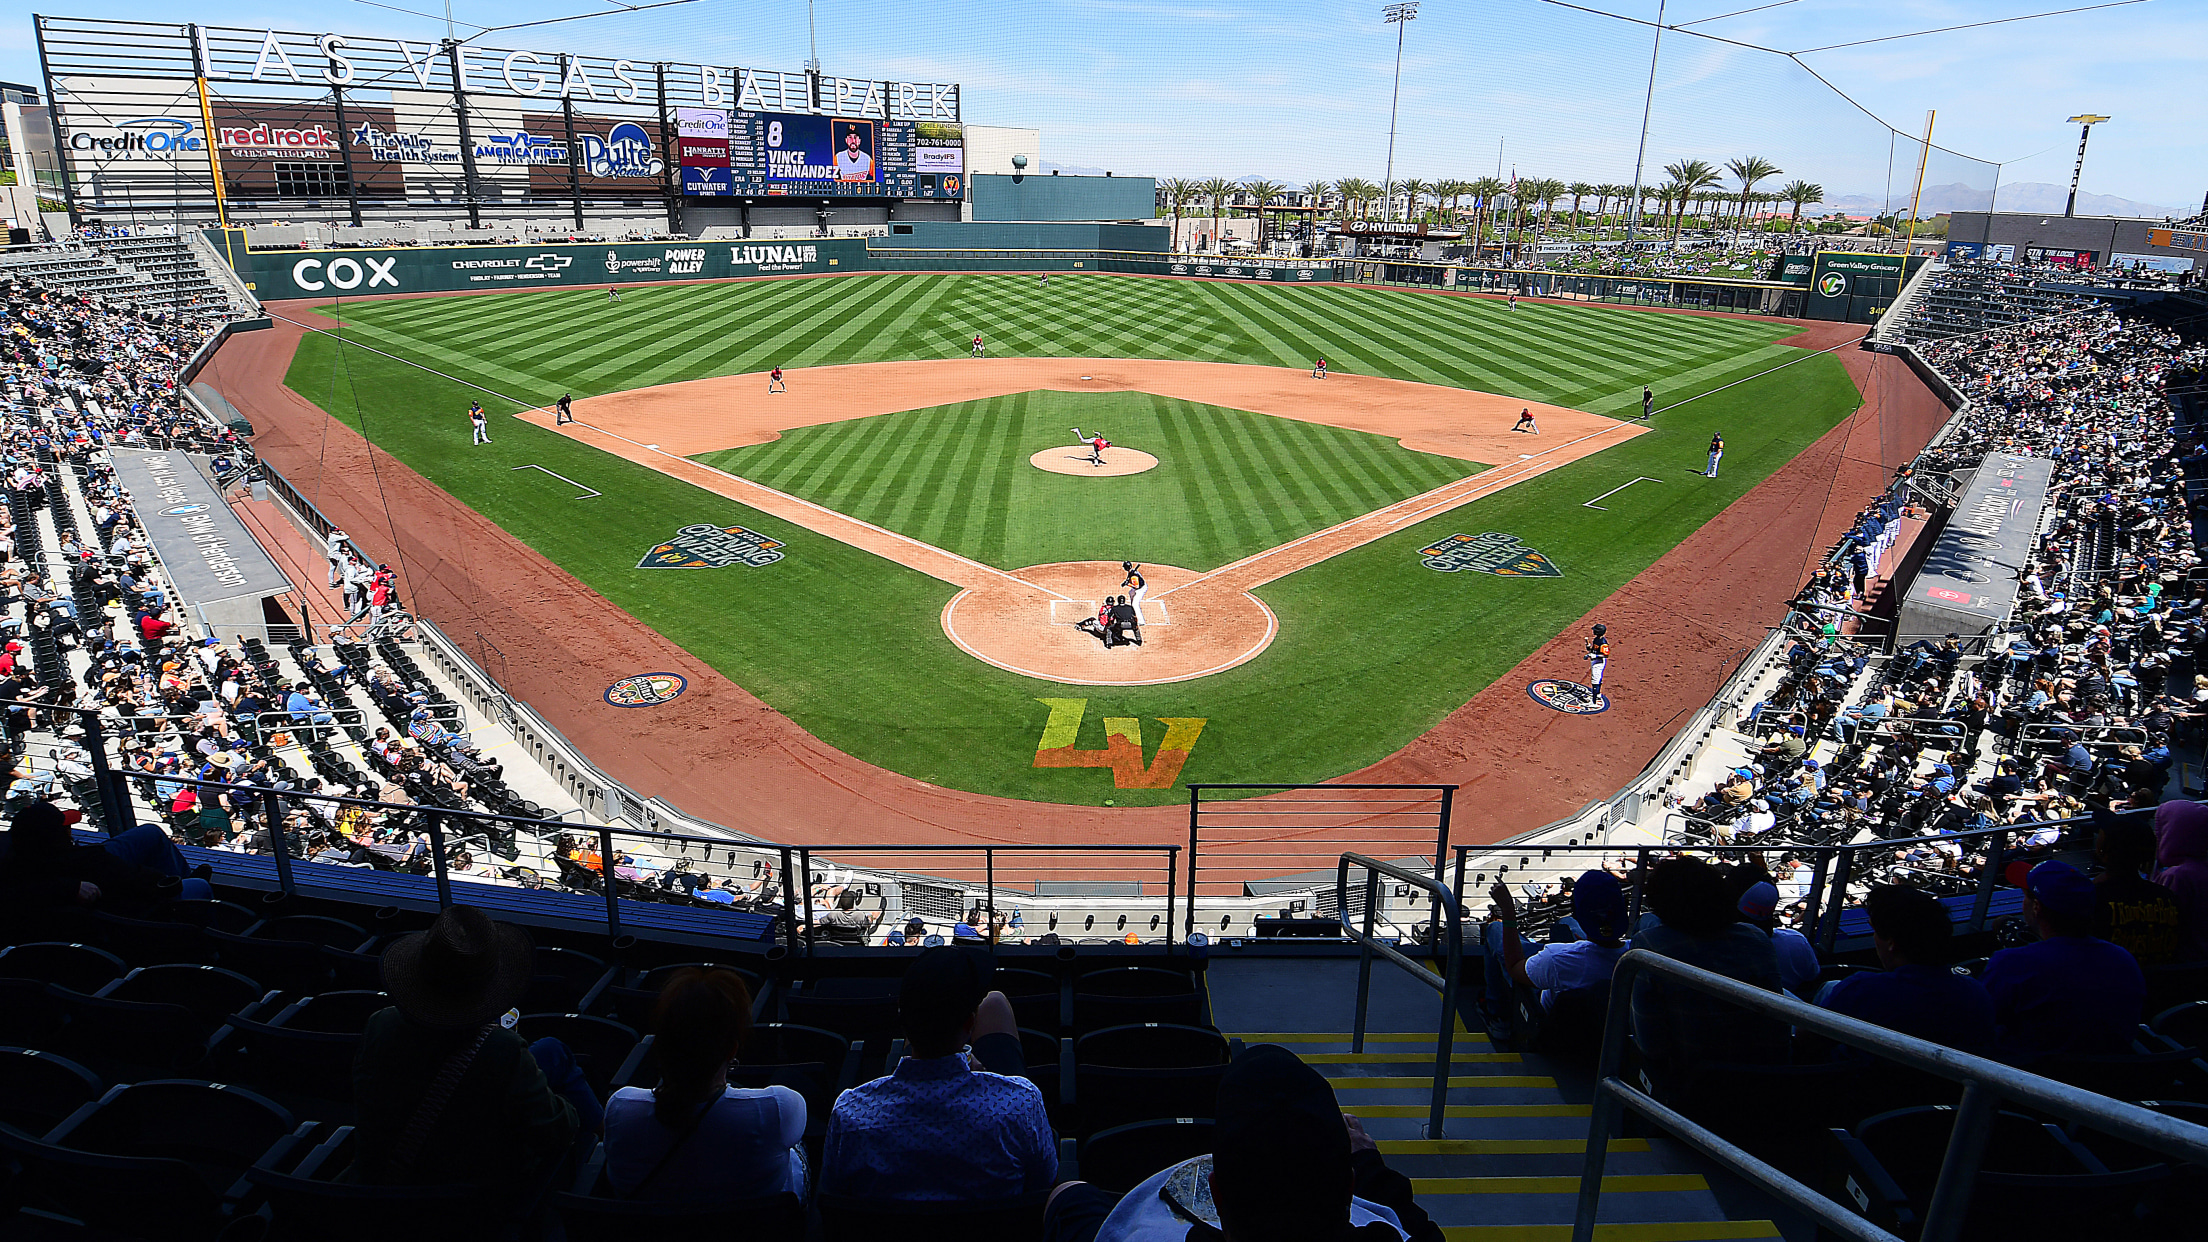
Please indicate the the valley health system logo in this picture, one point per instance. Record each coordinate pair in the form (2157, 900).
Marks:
(625, 151)
(705, 546)
(1492, 553)
(400, 148)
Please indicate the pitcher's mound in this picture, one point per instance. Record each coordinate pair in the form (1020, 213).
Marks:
(1073, 459)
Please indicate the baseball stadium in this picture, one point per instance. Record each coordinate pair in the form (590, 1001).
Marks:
(885, 685)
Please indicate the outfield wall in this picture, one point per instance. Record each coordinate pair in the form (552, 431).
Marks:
(377, 271)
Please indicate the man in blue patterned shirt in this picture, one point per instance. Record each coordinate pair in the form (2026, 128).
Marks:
(952, 1120)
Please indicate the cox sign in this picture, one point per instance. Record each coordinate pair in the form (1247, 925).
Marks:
(314, 275)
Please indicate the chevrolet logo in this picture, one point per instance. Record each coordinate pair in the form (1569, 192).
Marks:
(549, 262)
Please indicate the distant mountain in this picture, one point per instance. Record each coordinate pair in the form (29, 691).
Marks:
(2022, 196)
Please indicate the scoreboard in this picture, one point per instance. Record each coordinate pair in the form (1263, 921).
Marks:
(767, 154)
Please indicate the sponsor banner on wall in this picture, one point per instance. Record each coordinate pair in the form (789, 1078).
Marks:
(205, 549)
(321, 274)
(2151, 262)
(707, 182)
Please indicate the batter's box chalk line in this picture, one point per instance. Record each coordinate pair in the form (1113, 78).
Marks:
(1590, 504)
(589, 492)
(1071, 611)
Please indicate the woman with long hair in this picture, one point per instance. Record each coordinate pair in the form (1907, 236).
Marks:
(694, 1136)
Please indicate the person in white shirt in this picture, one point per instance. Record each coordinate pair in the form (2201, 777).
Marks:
(694, 1137)
(1598, 919)
(853, 163)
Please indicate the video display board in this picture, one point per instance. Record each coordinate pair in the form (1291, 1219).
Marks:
(775, 153)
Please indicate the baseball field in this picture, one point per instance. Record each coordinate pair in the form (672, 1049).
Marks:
(916, 607)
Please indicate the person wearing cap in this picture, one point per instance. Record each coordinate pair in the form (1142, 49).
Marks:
(1286, 1163)
(1598, 907)
(43, 867)
(333, 549)
(513, 1110)
(1913, 991)
(2070, 993)
(1789, 747)
(953, 1120)
(1798, 968)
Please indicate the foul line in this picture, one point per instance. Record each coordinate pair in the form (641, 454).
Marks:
(564, 479)
(1615, 490)
(1744, 379)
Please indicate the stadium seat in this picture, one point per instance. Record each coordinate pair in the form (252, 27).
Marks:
(2032, 1182)
(307, 1071)
(599, 1045)
(1104, 1096)
(1151, 1045)
(344, 1012)
(2184, 1026)
(1037, 999)
(30, 1014)
(152, 942)
(2171, 1073)
(564, 980)
(39, 1089)
(1095, 1013)
(313, 929)
(875, 1220)
(305, 1205)
(208, 1125)
(591, 1213)
(209, 992)
(131, 1039)
(77, 967)
(1119, 1159)
(293, 965)
(870, 1020)
(126, 1197)
(1133, 981)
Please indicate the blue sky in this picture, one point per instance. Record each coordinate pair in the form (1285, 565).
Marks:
(1299, 89)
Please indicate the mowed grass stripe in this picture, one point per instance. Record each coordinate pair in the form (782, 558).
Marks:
(1176, 423)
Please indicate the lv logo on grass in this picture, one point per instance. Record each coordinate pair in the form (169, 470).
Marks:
(1122, 751)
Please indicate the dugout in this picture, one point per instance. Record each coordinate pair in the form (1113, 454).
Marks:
(222, 575)
(1969, 580)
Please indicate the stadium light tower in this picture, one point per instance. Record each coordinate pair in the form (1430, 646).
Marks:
(1397, 15)
(2086, 121)
(1640, 155)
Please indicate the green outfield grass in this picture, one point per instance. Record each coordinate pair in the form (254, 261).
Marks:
(1373, 647)
(1229, 483)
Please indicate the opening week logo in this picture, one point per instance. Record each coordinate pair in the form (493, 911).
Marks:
(705, 546)
(1505, 556)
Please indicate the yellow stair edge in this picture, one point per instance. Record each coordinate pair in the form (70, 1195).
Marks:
(1470, 1110)
(1629, 1183)
(1502, 1147)
(1342, 1037)
(1398, 1058)
(1530, 1081)
(1654, 1231)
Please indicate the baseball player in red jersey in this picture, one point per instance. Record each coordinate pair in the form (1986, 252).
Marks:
(1097, 444)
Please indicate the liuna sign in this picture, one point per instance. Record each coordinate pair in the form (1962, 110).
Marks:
(282, 274)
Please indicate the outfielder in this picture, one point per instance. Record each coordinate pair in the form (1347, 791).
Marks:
(1598, 658)
(612, 294)
(1097, 444)
(1136, 587)
(1717, 454)
(477, 421)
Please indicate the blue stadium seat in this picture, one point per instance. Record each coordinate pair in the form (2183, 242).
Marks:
(38, 1090)
(1119, 1159)
(78, 967)
(875, 1220)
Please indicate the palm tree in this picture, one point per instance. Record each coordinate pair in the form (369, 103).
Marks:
(1412, 189)
(1750, 169)
(1262, 192)
(1355, 193)
(1579, 190)
(1688, 177)
(1484, 193)
(1801, 194)
(1545, 191)
(1216, 190)
(1177, 192)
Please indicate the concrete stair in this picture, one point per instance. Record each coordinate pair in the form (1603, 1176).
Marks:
(1507, 1166)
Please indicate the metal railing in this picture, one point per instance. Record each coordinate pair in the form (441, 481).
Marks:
(1278, 837)
(1369, 944)
(1984, 1083)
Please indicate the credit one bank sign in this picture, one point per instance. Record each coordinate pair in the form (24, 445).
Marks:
(141, 138)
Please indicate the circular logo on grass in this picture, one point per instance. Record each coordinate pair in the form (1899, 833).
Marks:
(1567, 696)
(647, 689)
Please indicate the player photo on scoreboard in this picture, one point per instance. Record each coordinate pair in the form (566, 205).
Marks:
(821, 148)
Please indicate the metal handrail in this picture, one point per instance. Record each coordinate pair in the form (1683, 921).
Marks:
(1984, 1082)
(1368, 944)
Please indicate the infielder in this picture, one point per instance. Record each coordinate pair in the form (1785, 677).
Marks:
(1097, 444)
(977, 345)
(1525, 421)
(1648, 402)
(1135, 586)
(563, 410)
(1717, 454)
(1598, 658)
(477, 421)
(774, 381)
(1318, 369)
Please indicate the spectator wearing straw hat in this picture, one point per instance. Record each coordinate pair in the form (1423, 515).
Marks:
(447, 1092)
